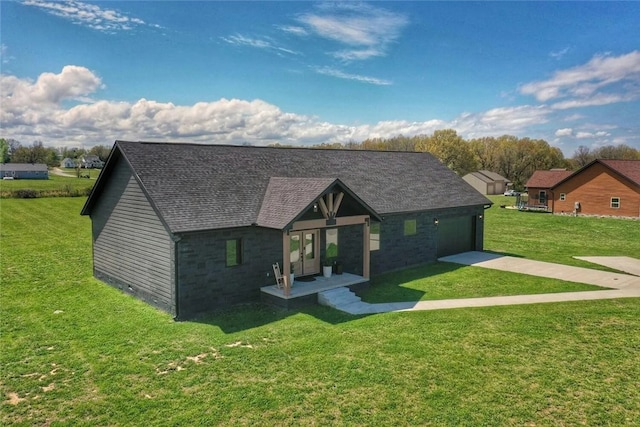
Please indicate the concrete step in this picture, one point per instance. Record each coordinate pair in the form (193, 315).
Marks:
(338, 297)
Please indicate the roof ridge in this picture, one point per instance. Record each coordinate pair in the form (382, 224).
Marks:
(293, 147)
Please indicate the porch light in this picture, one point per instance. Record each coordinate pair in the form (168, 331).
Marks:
(480, 216)
(435, 221)
(315, 207)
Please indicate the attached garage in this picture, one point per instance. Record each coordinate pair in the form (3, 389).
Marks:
(456, 235)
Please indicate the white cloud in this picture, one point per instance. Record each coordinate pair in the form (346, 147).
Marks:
(39, 110)
(88, 15)
(73, 82)
(599, 99)
(367, 30)
(573, 117)
(240, 40)
(584, 85)
(5, 58)
(560, 53)
(329, 71)
(500, 121)
(293, 29)
(589, 135)
(564, 132)
(36, 110)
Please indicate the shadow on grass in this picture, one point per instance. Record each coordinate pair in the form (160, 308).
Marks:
(383, 288)
(389, 286)
(505, 254)
(248, 316)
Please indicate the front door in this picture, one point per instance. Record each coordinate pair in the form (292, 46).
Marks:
(304, 250)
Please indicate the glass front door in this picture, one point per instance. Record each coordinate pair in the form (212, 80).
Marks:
(304, 248)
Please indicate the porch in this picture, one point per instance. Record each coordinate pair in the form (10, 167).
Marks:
(305, 292)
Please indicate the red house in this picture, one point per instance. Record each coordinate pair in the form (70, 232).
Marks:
(603, 187)
(540, 185)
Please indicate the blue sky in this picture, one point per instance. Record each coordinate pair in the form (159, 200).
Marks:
(87, 73)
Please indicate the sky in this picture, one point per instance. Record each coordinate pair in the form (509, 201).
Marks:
(79, 74)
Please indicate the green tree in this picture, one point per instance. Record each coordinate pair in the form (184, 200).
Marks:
(102, 151)
(487, 153)
(4, 151)
(582, 157)
(450, 149)
(618, 152)
(37, 153)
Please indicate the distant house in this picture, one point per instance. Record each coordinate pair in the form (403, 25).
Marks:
(90, 161)
(24, 170)
(603, 187)
(487, 182)
(540, 185)
(67, 163)
(191, 237)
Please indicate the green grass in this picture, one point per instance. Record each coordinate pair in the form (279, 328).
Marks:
(557, 238)
(539, 236)
(75, 351)
(444, 280)
(55, 186)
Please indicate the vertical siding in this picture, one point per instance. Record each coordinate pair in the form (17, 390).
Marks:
(131, 248)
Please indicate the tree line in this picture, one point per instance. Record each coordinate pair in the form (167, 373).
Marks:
(12, 151)
(514, 158)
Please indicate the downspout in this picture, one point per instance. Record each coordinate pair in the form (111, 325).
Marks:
(176, 276)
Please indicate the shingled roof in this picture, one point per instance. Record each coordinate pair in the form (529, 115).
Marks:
(23, 167)
(547, 179)
(201, 187)
(630, 169)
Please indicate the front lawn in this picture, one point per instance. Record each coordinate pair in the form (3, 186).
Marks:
(558, 238)
(445, 280)
(75, 351)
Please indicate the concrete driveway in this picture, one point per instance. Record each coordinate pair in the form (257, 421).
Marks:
(618, 285)
(548, 269)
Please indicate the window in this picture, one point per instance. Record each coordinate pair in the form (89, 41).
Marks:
(234, 252)
(331, 248)
(615, 202)
(410, 227)
(563, 197)
(374, 236)
(543, 197)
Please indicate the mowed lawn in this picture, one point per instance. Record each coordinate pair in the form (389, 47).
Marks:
(74, 351)
(55, 186)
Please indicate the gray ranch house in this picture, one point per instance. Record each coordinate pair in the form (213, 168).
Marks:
(190, 236)
(24, 171)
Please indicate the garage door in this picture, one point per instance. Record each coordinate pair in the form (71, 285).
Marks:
(456, 235)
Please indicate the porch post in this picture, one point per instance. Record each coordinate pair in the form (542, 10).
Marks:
(286, 262)
(365, 249)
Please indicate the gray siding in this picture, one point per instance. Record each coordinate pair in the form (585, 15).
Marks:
(206, 283)
(131, 248)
